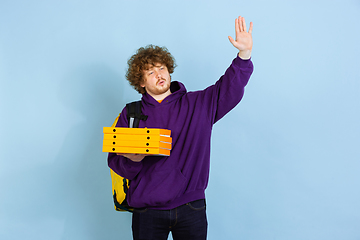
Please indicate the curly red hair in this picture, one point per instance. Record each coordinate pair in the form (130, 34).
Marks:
(144, 59)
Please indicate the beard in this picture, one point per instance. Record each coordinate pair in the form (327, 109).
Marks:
(159, 89)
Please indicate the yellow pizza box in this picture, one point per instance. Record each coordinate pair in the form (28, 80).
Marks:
(145, 144)
(136, 131)
(148, 151)
(142, 137)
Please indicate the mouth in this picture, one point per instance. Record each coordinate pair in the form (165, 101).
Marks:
(161, 82)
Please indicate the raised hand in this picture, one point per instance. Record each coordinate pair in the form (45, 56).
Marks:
(243, 41)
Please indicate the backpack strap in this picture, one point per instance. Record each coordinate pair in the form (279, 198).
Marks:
(134, 114)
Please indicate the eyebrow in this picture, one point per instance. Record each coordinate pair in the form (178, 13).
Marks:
(153, 66)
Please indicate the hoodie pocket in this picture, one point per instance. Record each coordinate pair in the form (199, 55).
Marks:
(158, 188)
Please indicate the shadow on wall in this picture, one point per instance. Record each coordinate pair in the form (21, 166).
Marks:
(82, 187)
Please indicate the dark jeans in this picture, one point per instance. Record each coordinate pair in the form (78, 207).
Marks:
(187, 222)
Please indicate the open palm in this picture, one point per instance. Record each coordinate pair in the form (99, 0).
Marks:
(243, 41)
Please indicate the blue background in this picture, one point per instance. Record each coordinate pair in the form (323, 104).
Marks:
(285, 162)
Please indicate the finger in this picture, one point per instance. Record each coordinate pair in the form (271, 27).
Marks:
(127, 155)
(237, 27)
(244, 24)
(142, 155)
(241, 24)
(231, 40)
(251, 27)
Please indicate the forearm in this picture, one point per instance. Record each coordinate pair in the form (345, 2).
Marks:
(123, 166)
(236, 75)
(228, 91)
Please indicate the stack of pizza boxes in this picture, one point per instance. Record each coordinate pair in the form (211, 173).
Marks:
(149, 141)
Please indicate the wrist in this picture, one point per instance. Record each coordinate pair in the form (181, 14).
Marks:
(245, 55)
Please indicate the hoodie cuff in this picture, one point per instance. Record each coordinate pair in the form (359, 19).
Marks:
(241, 62)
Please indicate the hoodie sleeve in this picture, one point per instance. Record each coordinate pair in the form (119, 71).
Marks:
(228, 91)
(122, 165)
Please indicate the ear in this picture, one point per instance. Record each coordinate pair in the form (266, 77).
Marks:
(142, 84)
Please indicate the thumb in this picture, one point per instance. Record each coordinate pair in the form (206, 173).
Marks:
(231, 40)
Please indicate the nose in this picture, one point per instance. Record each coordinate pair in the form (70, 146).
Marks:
(158, 74)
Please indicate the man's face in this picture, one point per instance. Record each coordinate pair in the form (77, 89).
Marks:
(157, 81)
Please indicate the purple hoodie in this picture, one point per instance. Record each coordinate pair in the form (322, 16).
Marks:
(168, 182)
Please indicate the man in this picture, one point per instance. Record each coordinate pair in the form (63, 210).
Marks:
(167, 193)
